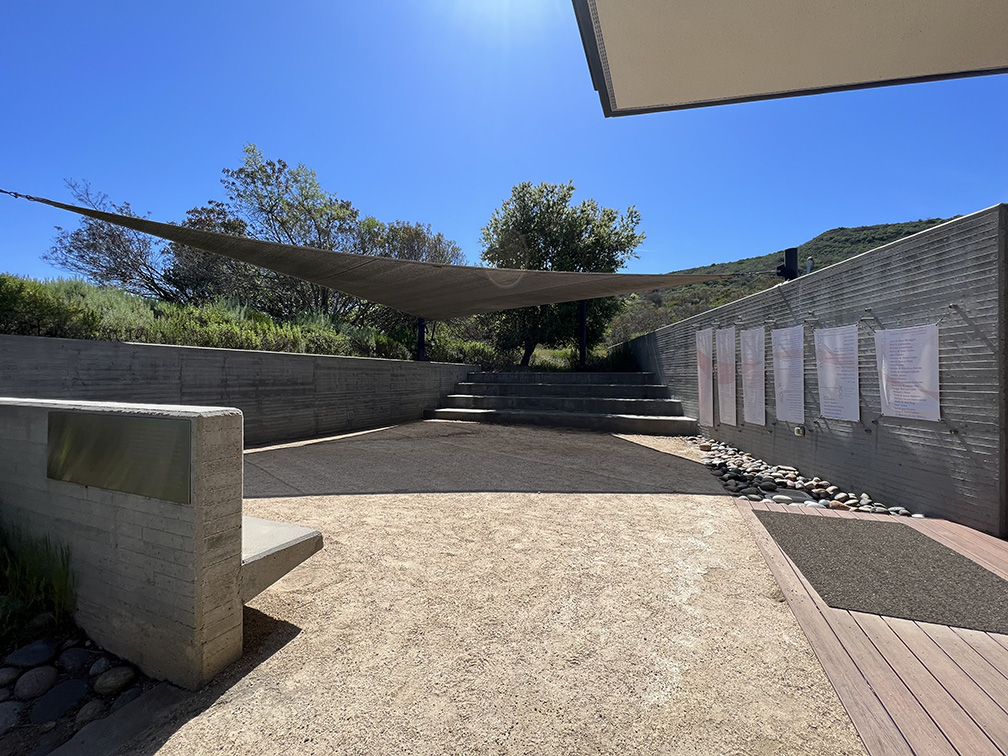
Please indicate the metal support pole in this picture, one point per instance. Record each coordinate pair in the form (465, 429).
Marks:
(421, 330)
(583, 313)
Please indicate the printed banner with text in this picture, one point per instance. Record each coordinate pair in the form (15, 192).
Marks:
(724, 340)
(907, 361)
(705, 376)
(788, 345)
(836, 353)
(754, 376)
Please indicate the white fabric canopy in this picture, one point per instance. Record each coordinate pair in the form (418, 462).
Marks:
(427, 290)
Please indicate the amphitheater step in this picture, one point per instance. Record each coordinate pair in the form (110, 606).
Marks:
(609, 402)
(615, 390)
(610, 423)
(567, 403)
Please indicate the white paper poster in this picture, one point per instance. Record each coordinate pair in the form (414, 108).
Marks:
(705, 376)
(724, 340)
(907, 360)
(788, 345)
(836, 353)
(754, 376)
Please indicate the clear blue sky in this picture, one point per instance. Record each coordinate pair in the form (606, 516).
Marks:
(430, 111)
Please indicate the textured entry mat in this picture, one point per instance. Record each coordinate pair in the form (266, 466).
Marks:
(890, 569)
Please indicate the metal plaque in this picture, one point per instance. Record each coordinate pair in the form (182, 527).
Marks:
(148, 456)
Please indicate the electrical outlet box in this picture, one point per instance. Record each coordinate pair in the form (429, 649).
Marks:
(799, 431)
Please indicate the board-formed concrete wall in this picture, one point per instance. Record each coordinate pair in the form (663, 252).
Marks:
(156, 579)
(283, 396)
(955, 468)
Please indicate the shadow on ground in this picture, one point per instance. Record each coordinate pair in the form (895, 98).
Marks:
(453, 457)
(263, 637)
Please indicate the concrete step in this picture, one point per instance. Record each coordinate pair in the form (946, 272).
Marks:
(577, 379)
(642, 424)
(617, 390)
(596, 405)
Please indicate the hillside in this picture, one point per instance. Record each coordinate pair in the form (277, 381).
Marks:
(646, 312)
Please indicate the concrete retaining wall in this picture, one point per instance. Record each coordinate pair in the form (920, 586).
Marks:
(283, 396)
(955, 468)
(156, 579)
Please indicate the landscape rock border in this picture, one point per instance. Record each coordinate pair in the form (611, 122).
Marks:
(51, 688)
(752, 479)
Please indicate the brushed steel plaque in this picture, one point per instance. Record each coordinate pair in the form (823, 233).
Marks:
(148, 456)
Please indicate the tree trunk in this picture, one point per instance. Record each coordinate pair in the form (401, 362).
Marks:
(527, 355)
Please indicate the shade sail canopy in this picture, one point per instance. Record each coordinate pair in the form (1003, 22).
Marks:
(426, 290)
(649, 55)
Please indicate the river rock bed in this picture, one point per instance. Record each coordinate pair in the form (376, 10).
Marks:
(750, 478)
(51, 688)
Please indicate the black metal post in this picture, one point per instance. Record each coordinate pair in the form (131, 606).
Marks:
(583, 312)
(421, 330)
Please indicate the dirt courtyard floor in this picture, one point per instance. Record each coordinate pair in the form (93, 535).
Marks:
(506, 590)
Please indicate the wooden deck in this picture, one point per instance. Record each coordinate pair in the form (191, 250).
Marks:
(909, 687)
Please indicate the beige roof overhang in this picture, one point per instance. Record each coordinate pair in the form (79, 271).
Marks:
(427, 290)
(651, 55)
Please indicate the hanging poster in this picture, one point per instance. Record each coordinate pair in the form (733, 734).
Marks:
(754, 376)
(836, 353)
(788, 345)
(724, 340)
(705, 376)
(907, 360)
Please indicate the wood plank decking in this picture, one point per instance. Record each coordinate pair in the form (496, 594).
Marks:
(909, 687)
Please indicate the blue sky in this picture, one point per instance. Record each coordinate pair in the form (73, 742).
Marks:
(430, 111)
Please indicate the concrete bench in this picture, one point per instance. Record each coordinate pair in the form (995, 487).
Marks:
(270, 550)
(149, 500)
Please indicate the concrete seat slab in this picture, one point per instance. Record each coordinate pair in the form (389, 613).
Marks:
(270, 550)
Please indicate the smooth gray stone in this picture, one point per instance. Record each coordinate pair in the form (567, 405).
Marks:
(754, 497)
(115, 680)
(816, 505)
(9, 675)
(879, 510)
(917, 515)
(58, 701)
(89, 711)
(768, 485)
(100, 667)
(840, 496)
(864, 508)
(782, 499)
(33, 655)
(35, 682)
(824, 502)
(75, 660)
(5, 694)
(904, 513)
(10, 713)
(895, 510)
(750, 490)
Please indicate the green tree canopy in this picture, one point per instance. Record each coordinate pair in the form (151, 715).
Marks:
(266, 199)
(538, 228)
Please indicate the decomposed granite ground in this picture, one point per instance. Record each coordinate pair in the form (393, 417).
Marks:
(500, 615)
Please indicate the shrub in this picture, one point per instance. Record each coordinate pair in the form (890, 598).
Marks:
(35, 578)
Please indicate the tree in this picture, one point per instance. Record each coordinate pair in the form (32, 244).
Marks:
(287, 205)
(201, 277)
(266, 199)
(403, 241)
(537, 228)
(111, 255)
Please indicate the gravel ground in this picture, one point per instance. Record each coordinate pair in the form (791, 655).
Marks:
(462, 621)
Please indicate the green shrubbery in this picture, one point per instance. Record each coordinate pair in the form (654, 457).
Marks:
(35, 579)
(78, 310)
